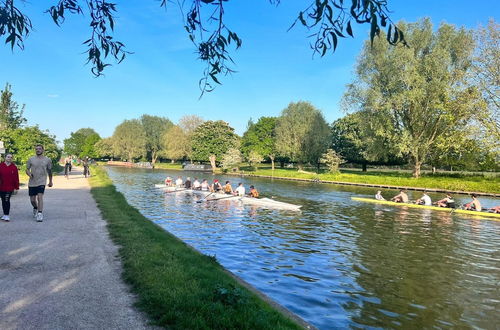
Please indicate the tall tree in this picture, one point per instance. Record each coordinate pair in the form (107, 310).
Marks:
(89, 146)
(104, 148)
(189, 123)
(329, 20)
(176, 143)
(75, 143)
(302, 133)
(260, 137)
(129, 140)
(212, 139)
(11, 114)
(412, 96)
(154, 128)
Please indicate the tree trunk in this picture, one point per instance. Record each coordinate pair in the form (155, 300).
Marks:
(300, 166)
(317, 166)
(154, 156)
(271, 157)
(364, 167)
(212, 162)
(282, 164)
(416, 169)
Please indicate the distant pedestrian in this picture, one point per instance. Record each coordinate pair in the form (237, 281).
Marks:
(67, 168)
(9, 181)
(86, 171)
(38, 168)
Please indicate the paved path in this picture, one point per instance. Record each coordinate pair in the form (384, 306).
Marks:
(62, 273)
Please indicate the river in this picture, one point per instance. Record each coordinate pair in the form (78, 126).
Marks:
(339, 263)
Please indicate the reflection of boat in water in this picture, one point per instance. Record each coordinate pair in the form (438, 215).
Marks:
(262, 202)
(495, 216)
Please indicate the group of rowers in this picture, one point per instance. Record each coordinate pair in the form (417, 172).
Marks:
(448, 201)
(215, 187)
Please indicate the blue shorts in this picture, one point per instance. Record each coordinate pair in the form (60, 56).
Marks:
(33, 191)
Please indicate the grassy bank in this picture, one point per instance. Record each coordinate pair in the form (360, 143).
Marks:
(169, 166)
(177, 286)
(490, 184)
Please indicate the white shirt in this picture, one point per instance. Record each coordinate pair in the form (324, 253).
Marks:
(427, 200)
(196, 184)
(204, 186)
(379, 197)
(240, 191)
(178, 182)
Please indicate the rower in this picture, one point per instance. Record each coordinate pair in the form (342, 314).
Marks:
(379, 196)
(402, 197)
(216, 186)
(204, 185)
(240, 191)
(473, 205)
(495, 209)
(187, 184)
(168, 181)
(448, 201)
(228, 189)
(196, 184)
(424, 200)
(178, 182)
(253, 192)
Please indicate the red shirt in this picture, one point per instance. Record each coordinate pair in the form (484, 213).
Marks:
(9, 177)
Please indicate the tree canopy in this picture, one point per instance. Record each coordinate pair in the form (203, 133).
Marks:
(11, 114)
(75, 144)
(129, 140)
(260, 137)
(154, 128)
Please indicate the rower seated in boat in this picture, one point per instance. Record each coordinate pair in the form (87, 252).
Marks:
(495, 209)
(196, 184)
(253, 192)
(187, 184)
(473, 205)
(402, 197)
(168, 181)
(379, 196)
(240, 191)
(424, 200)
(179, 182)
(216, 186)
(448, 201)
(204, 185)
(228, 189)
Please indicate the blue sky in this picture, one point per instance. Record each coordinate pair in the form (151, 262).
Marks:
(275, 67)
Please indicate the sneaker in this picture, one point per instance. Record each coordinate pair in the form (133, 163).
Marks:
(39, 217)
(6, 218)
(35, 212)
(3, 217)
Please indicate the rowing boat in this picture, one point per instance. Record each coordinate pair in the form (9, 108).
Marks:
(263, 202)
(442, 209)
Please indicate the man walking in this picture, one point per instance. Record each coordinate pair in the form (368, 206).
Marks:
(38, 168)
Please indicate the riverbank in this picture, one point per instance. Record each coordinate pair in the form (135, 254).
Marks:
(177, 286)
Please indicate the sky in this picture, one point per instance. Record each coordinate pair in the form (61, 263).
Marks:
(274, 67)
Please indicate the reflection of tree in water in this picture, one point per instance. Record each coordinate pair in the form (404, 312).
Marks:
(406, 272)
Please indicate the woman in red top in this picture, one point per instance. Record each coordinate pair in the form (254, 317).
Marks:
(9, 181)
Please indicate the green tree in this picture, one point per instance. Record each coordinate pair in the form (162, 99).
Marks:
(104, 148)
(11, 114)
(176, 143)
(212, 139)
(154, 128)
(329, 20)
(89, 146)
(255, 158)
(189, 123)
(129, 140)
(332, 160)
(261, 138)
(302, 133)
(231, 159)
(412, 96)
(75, 143)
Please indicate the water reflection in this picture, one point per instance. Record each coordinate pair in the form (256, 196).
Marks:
(340, 263)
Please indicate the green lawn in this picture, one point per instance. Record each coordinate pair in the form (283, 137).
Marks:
(448, 181)
(169, 166)
(178, 287)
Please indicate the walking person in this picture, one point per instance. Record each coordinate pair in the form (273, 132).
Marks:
(38, 168)
(67, 168)
(86, 171)
(9, 181)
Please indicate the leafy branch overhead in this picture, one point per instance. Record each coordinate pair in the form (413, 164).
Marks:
(204, 23)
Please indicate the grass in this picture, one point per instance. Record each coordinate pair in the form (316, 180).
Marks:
(169, 166)
(446, 181)
(178, 287)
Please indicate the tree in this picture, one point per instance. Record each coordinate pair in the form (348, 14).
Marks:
(129, 140)
(11, 115)
(255, 158)
(104, 148)
(332, 160)
(260, 137)
(412, 96)
(189, 123)
(176, 143)
(302, 133)
(89, 146)
(212, 139)
(154, 128)
(231, 159)
(329, 20)
(75, 143)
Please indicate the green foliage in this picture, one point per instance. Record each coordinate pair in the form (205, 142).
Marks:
(75, 143)
(302, 133)
(411, 96)
(89, 149)
(21, 143)
(104, 148)
(254, 158)
(129, 140)
(213, 138)
(176, 143)
(231, 159)
(332, 160)
(154, 128)
(260, 137)
(11, 114)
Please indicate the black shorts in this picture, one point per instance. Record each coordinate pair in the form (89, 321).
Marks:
(33, 191)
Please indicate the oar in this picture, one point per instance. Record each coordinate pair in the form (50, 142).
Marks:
(203, 199)
(216, 199)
